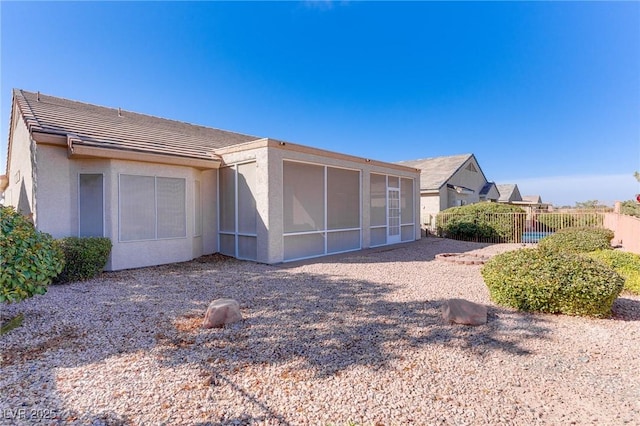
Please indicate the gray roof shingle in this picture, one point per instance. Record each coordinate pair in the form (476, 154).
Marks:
(436, 170)
(124, 130)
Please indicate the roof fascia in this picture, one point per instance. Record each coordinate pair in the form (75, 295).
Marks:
(81, 151)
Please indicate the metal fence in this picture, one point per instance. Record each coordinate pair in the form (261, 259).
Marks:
(510, 227)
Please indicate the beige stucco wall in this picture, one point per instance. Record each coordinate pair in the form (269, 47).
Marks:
(429, 208)
(57, 204)
(20, 191)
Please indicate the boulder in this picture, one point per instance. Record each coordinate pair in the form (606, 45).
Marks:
(221, 312)
(462, 311)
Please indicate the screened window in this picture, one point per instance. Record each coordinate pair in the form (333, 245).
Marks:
(91, 205)
(378, 200)
(303, 197)
(343, 198)
(321, 210)
(152, 208)
(238, 213)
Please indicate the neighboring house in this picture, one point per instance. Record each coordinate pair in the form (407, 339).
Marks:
(165, 191)
(532, 203)
(447, 182)
(489, 192)
(509, 193)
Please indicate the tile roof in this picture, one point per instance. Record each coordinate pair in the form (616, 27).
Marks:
(437, 170)
(123, 130)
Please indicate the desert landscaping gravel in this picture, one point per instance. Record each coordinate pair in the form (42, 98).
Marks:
(350, 339)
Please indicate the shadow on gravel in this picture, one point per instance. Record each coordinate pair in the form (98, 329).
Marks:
(319, 324)
(625, 309)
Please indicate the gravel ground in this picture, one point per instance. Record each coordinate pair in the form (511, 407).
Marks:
(351, 338)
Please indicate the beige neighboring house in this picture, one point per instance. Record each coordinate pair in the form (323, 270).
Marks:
(509, 193)
(165, 191)
(450, 181)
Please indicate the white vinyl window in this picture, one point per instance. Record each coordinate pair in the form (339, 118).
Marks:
(321, 210)
(91, 205)
(152, 208)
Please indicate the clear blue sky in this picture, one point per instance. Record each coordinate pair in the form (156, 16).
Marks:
(545, 94)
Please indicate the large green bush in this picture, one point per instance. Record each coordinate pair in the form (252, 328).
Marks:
(630, 208)
(489, 222)
(624, 263)
(552, 281)
(29, 259)
(578, 240)
(84, 258)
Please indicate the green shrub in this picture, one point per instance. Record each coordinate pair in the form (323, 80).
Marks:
(482, 222)
(85, 258)
(624, 263)
(578, 240)
(552, 281)
(29, 259)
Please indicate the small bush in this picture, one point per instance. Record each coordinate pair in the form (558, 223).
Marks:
(630, 208)
(85, 258)
(29, 259)
(624, 263)
(552, 281)
(578, 240)
(482, 222)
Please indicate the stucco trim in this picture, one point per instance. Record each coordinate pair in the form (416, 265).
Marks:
(287, 146)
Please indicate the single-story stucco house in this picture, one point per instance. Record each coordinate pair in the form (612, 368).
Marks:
(449, 181)
(166, 191)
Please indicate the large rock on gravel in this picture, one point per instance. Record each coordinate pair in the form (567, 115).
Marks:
(460, 311)
(221, 312)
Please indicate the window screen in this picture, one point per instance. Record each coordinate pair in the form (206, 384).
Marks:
(91, 205)
(343, 241)
(303, 193)
(378, 236)
(378, 200)
(247, 214)
(171, 208)
(299, 246)
(343, 198)
(227, 199)
(406, 200)
(137, 208)
(407, 233)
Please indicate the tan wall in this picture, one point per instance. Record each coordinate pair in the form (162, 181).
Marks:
(20, 192)
(57, 205)
(468, 179)
(626, 229)
(430, 205)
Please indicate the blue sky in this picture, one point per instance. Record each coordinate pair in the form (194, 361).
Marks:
(545, 94)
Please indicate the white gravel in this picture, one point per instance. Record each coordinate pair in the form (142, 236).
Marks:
(350, 338)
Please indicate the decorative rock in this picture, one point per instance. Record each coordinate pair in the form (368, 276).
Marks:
(462, 311)
(221, 312)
